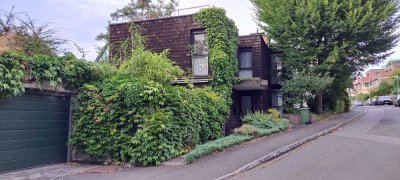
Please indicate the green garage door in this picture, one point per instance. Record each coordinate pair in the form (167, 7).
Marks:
(33, 131)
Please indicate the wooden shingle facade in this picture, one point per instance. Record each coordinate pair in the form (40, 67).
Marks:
(177, 34)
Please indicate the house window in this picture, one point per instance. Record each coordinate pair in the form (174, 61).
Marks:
(245, 63)
(276, 69)
(199, 53)
(276, 99)
(246, 104)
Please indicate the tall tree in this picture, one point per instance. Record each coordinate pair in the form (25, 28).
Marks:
(137, 10)
(338, 37)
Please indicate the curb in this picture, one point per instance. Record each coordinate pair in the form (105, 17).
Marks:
(288, 148)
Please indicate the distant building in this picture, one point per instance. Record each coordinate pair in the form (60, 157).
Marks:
(372, 79)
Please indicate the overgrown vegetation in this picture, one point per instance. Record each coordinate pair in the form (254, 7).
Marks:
(246, 129)
(135, 115)
(28, 36)
(137, 10)
(255, 125)
(16, 68)
(264, 121)
(337, 38)
(222, 41)
(304, 86)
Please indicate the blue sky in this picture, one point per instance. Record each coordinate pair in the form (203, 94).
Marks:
(81, 20)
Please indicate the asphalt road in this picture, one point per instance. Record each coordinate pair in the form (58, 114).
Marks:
(366, 149)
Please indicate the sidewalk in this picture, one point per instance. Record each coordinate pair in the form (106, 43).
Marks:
(214, 166)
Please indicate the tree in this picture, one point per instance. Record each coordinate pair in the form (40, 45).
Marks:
(396, 83)
(137, 10)
(393, 61)
(384, 88)
(338, 37)
(304, 86)
(362, 97)
(29, 36)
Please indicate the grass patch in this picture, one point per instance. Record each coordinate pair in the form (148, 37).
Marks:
(217, 145)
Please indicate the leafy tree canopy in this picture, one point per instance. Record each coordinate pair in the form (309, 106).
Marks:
(304, 86)
(144, 9)
(338, 37)
(353, 33)
(141, 10)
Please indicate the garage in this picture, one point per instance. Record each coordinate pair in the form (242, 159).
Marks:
(33, 130)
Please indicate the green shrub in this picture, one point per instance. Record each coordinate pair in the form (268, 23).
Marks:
(340, 106)
(246, 129)
(244, 133)
(257, 116)
(143, 121)
(133, 113)
(281, 125)
(275, 114)
(261, 119)
(153, 66)
(215, 146)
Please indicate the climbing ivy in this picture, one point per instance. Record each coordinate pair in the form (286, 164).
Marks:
(135, 115)
(11, 74)
(141, 119)
(222, 40)
(17, 68)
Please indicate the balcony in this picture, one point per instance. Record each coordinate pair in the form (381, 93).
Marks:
(249, 84)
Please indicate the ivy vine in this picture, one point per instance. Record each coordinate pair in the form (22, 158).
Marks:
(133, 114)
(17, 68)
(222, 40)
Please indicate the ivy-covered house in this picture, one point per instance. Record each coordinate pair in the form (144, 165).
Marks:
(259, 68)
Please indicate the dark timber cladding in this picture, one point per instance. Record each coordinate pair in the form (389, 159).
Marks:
(171, 33)
(174, 33)
(259, 50)
(33, 131)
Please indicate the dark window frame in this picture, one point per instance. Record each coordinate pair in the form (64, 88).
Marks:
(242, 50)
(193, 32)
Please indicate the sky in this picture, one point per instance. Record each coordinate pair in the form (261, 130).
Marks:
(79, 21)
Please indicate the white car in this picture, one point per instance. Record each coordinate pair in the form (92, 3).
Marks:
(358, 103)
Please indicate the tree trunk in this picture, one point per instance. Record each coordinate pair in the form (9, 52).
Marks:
(319, 103)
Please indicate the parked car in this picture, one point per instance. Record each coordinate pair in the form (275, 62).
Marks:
(396, 102)
(358, 103)
(373, 102)
(382, 100)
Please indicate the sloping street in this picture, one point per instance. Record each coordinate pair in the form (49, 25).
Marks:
(367, 149)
